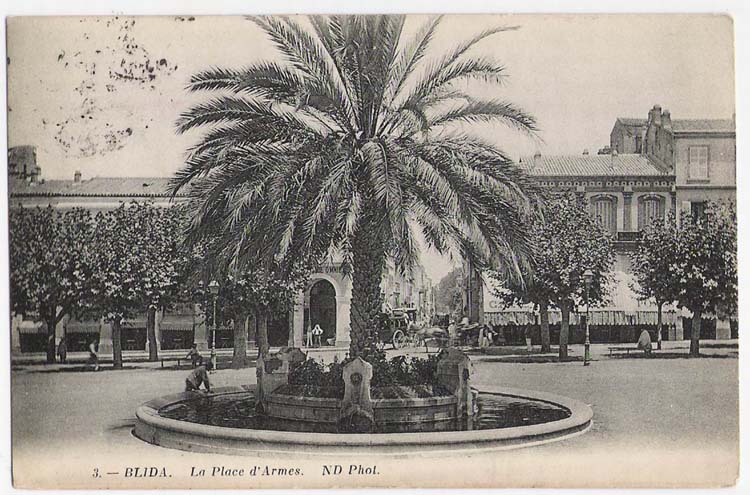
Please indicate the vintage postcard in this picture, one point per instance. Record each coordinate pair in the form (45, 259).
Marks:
(374, 251)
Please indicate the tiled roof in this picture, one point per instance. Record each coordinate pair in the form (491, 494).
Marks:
(632, 122)
(686, 125)
(97, 186)
(592, 165)
(703, 125)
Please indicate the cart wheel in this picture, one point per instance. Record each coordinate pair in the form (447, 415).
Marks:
(399, 339)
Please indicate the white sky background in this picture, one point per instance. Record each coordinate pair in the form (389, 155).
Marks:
(575, 74)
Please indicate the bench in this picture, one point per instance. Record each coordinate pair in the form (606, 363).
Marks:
(172, 359)
(625, 349)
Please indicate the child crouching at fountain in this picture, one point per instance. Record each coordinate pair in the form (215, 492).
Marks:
(197, 377)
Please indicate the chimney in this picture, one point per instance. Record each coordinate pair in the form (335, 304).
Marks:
(77, 177)
(585, 152)
(654, 115)
(666, 120)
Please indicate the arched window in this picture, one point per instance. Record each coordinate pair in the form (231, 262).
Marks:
(604, 211)
(650, 208)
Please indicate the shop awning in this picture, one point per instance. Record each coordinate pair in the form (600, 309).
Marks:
(31, 327)
(82, 327)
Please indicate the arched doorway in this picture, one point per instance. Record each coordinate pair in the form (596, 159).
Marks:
(322, 309)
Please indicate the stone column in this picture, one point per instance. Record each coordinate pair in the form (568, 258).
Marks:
(15, 334)
(200, 330)
(105, 338)
(627, 209)
(678, 333)
(298, 319)
(343, 322)
(723, 330)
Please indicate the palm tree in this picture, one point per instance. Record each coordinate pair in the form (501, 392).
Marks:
(352, 140)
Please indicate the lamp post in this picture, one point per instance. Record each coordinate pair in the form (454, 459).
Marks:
(588, 280)
(213, 288)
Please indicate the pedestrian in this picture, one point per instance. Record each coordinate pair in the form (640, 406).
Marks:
(194, 355)
(198, 377)
(309, 339)
(644, 342)
(317, 332)
(93, 355)
(62, 350)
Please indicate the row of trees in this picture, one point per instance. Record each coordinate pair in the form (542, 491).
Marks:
(123, 262)
(567, 243)
(692, 263)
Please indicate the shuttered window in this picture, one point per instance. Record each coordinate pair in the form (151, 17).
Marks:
(698, 162)
(604, 211)
(650, 209)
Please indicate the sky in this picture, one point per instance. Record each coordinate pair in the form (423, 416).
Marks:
(101, 94)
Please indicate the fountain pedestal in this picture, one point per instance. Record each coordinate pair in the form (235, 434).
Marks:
(356, 407)
(454, 371)
(273, 372)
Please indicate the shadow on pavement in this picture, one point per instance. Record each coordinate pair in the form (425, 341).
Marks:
(674, 355)
(539, 359)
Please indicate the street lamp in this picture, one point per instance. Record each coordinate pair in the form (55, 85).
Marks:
(588, 280)
(213, 288)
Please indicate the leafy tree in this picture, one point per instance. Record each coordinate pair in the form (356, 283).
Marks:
(350, 142)
(705, 265)
(652, 262)
(568, 241)
(136, 265)
(51, 264)
(449, 292)
(257, 293)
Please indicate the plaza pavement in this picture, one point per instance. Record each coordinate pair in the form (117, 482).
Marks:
(665, 421)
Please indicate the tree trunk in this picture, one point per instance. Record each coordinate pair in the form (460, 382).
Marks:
(658, 324)
(695, 333)
(239, 331)
(368, 259)
(544, 326)
(153, 349)
(116, 344)
(51, 348)
(263, 346)
(564, 329)
(252, 330)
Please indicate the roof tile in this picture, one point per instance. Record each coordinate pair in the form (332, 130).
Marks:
(592, 165)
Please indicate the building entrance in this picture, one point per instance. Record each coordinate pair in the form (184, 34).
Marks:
(322, 311)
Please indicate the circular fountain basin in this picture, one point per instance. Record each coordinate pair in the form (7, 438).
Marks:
(235, 431)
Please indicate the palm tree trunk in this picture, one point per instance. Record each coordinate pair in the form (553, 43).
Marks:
(544, 326)
(116, 343)
(239, 331)
(153, 350)
(366, 299)
(564, 329)
(695, 333)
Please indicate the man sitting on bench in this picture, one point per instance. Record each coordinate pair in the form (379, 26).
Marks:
(197, 377)
(195, 357)
(644, 342)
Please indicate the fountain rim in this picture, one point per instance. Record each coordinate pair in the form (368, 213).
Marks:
(580, 419)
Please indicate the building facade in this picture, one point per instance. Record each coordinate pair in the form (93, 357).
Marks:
(654, 166)
(326, 300)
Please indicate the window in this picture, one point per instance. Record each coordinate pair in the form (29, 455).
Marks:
(638, 144)
(698, 162)
(650, 208)
(604, 210)
(697, 209)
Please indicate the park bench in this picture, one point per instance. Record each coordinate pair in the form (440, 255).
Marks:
(623, 349)
(172, 359)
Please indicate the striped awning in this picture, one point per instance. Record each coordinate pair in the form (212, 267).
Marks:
(82, 327)
(597, 317)
(28, 327)
(177, 323)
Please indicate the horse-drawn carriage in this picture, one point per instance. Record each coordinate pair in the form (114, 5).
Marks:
(400, 329)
